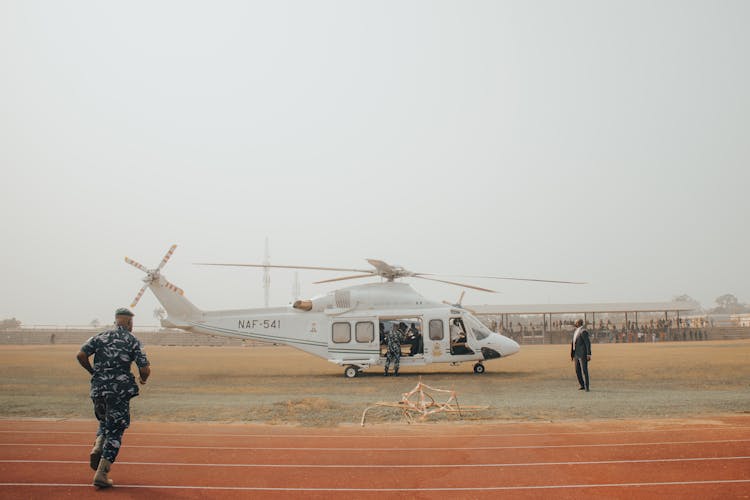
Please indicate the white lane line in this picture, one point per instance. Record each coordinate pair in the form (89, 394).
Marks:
(387, 436)
(392, 466)
(389, 450)
(386, 490)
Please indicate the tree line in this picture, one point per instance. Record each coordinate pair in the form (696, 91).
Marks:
(725, 304)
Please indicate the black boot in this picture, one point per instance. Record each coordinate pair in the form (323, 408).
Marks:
(395, 372)
(386, 372)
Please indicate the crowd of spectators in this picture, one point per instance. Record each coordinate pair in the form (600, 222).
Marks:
(653, 330)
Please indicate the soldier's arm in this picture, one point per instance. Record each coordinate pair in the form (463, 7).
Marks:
(144, 373)
(144, 366)
(83, 360)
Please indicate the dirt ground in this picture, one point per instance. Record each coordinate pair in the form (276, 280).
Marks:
(279, 385)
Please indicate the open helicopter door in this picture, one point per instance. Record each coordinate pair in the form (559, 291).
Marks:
(353, 341)
(471, 337)
(462, 340)
(478, 332)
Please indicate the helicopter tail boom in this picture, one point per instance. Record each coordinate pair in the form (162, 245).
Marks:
(179, 309)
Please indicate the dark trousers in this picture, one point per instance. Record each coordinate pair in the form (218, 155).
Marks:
(395, 357)
(582, 371)
(113, 414)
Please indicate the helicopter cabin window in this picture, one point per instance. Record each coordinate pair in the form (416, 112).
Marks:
(365, 332)
(436, 329)
(342, 333)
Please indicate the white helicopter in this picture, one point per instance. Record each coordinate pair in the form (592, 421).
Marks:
(346, 326)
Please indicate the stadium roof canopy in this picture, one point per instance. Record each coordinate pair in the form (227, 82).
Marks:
(615, 307)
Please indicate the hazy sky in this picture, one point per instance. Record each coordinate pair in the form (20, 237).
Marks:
(600, 141)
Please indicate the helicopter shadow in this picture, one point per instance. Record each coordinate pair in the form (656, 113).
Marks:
(439, 375)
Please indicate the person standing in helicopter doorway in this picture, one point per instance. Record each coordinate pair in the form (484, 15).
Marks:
(394, 339)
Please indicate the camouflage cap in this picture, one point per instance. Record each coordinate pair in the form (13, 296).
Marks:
(124, 311)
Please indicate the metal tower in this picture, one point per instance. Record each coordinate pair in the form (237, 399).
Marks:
(266, 274)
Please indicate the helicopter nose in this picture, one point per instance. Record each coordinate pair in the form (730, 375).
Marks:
(510, 346)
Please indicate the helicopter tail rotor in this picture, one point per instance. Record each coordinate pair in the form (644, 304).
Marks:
(171, 286)
(136, 264)
(139, 295)
(153, 275)
(167, 256)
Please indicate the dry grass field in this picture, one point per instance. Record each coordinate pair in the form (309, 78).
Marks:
(280, 385)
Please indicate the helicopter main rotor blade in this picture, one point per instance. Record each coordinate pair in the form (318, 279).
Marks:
(457, 284)
(345, 278)
(515, 279)
(390, 272)
(381, 266)
(315, 268)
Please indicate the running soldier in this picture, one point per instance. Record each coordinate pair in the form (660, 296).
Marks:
(394, 339)
(112, 387)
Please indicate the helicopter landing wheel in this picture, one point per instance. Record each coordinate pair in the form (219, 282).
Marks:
(351, 371)
(479, 368)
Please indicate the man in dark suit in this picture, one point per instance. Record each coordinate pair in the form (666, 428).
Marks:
(580, 354)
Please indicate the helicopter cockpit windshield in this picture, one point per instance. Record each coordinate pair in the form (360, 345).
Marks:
(480, 331)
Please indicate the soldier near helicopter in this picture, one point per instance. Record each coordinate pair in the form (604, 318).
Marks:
(112, 387)
(394, 339)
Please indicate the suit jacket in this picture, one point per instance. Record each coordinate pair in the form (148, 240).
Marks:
(581, 347)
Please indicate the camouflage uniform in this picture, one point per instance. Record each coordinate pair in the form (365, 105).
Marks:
(112, 383)
(394, 339)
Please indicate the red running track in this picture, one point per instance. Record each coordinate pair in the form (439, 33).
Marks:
(699, 458)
